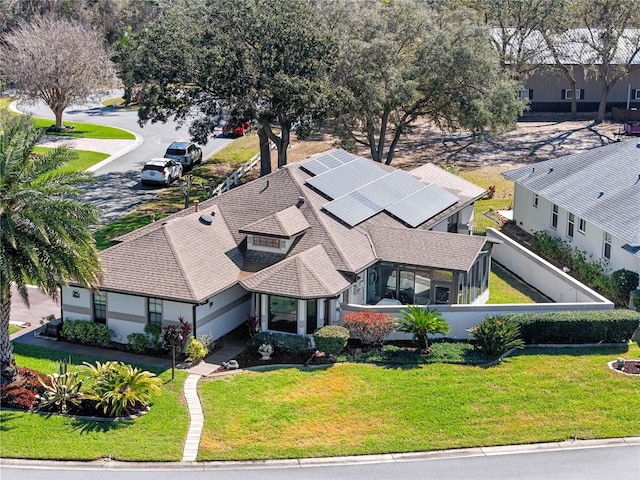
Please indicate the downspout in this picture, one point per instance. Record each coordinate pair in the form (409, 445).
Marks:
(193, 321)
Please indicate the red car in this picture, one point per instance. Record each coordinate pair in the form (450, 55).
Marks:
(235, 127)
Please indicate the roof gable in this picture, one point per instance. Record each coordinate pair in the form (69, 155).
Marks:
(286, 223)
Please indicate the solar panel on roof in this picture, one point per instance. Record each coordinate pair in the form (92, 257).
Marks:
(391, 188)
(353, 208)
(422, 205)
(314, 167)
(327, 161)
(346, 178)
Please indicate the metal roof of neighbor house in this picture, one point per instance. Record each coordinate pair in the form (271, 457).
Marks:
(573, 46)
(203, 259)
(184, 259)
(309, 274)
(284, 224)
(425, 247)
(601, 185)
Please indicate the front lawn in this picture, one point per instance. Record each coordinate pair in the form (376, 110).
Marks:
(157, 436)
(85, 130)
(538, 395)
(84, 158)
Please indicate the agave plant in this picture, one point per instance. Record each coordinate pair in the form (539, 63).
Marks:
(117, 387)
(495, 335)
(62, 389)
(422, 322)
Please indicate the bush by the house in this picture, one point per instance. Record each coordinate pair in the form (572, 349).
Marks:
(195, 350)
(634, 300)
(154, 335)
(495, 335)
(422, 322)
(623, 282)
(138, 342)
(331, 339)
(287, 343)
(86, 333)
(172, 333)
(607, 326)
(371, 328)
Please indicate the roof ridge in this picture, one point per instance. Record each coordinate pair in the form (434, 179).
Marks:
(310, 270)
(178, 260)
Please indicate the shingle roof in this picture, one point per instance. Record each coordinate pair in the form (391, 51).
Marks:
(285, 224)
(182, 259)
(601, 185)
(309, 274)
(425, 247)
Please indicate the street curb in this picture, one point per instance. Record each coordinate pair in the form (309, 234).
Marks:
(108, 464)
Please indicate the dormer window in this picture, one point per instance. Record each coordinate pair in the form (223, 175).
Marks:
(267, 242)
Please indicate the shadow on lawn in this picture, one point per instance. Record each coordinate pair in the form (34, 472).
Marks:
(88, 426)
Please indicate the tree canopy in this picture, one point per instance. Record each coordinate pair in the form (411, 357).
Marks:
(61, 62)
(44, 231)
(267, 61)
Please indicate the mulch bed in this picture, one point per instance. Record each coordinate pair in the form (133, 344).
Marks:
(632, 367)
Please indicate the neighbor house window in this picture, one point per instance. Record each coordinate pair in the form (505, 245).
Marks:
(266, 242)
(554, 216)
(535, 200)
(567, 94)
(571, 225)
(100, 307)
(155, 310)
(606, 253)
(582, 225)
(452, 226)
(525, 94)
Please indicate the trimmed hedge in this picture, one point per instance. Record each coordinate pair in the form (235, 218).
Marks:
(610, 326)
(331, 339)
(86, 333)
(287, 343)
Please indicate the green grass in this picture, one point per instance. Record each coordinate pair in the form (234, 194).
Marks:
(156, 436)
(86, 130)
(118, 103)
(127, 224)
(84, 158)
(505, 288)
(237, 152)
(13, 329)
(535, 396)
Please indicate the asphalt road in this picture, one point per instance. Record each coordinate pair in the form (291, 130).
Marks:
(592, 463)
(118, 189)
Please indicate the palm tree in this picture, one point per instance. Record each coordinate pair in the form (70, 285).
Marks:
(44, 230)
(421, 322)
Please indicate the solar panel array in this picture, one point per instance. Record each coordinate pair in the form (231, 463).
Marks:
(360, 189)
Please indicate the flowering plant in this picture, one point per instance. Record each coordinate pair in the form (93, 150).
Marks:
(265, 349)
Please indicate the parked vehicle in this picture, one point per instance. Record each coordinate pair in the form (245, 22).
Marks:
(187, 153)
(235, 127)
(161, 171)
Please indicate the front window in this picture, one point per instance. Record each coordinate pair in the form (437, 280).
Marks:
(452, 226)
(100, 307)
(535, 200)
(582, 225)
(554, 217)
(607, 246)
(283, 314)
(155, 310)
(312, 316)
(570, 225)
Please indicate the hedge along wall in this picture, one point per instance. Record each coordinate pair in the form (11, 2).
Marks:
(613, 326)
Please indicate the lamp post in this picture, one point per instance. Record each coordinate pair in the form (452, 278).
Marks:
(176, 340)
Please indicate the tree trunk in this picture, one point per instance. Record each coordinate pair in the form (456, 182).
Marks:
(285, 138)
(8, 370)
(265, 152)
(57, 111)
(602, 106)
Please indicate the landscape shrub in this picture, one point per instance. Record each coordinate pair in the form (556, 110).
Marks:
(634, 300)
(331, 339)
(371, 328)
(62, 390)
(623, 282)
(86, 333)
(287, 343)
(495, 335)
(138, 342)
(206, 339)
(422, 322)
(118, 388)
(24, 391)
(154, 333)
(195, 350)
(171, 334)
(608, 326)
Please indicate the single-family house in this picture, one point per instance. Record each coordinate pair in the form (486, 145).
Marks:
(291, 247)
(590, 200)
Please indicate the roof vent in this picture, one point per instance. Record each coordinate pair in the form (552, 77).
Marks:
(206, 219)
(550, 170)
(600, 194)
(300, 201)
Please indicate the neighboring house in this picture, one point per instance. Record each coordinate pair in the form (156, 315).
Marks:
(590, 199)
(547, 87)
(291, 247)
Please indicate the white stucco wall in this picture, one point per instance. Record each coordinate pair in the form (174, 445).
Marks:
(532, 219)
(129, 304)
(223, 312)
(75, 308)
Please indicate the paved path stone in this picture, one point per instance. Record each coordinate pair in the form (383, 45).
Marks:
(192, 443)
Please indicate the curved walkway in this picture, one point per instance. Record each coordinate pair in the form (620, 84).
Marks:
(192, 443)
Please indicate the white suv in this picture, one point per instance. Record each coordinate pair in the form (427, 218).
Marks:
(161, 170)
(187, 153)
